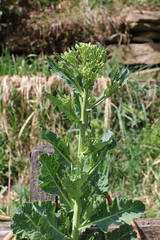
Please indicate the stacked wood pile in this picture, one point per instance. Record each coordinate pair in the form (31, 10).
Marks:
(140, 44)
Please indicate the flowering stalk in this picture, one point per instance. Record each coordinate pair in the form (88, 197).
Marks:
(82, 185)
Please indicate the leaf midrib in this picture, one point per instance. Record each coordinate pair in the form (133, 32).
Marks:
(52, 226)
(33, 223)
(103, 219)
(57, 185)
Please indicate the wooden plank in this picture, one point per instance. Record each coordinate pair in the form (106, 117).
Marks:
(148, 228)
(10, 236)
(4, 229)
(37, 193)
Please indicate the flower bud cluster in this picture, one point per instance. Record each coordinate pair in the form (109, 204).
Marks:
(85, 60)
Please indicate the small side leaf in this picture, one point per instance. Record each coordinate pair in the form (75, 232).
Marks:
(107, 149)
(64, 105)
(106, 141)
(59, 145)
(70, 67)
(37, 221)
(124, 232)
(118, 81)
(63, 74)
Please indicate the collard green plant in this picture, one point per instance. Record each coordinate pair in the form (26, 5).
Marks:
(80, 183)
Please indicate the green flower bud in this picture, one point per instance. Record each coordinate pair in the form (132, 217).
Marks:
(84, 62)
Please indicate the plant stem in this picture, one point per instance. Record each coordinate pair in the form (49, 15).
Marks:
(83, 125)
(76, 220)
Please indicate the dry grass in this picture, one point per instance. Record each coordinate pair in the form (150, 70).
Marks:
(31, 89)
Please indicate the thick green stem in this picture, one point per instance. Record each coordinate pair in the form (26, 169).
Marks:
(76, 221)
(83, 125)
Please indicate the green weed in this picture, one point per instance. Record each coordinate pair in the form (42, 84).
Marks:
(31, 64)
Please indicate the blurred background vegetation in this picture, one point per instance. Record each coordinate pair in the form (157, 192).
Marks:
(46, 26)
(133, 113)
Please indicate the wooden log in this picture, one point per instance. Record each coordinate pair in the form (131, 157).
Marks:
(37, 193)
(148, 72)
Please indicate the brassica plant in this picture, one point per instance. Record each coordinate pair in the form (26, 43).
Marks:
(80, 182)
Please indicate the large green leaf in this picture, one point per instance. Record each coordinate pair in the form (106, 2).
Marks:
(37, 221)
(59, 145)
(58, 180)
(64, 104)
(96, 187)
(51, 177)
(65, 75)
(121, 210)
(78, 186)
(124, 232)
